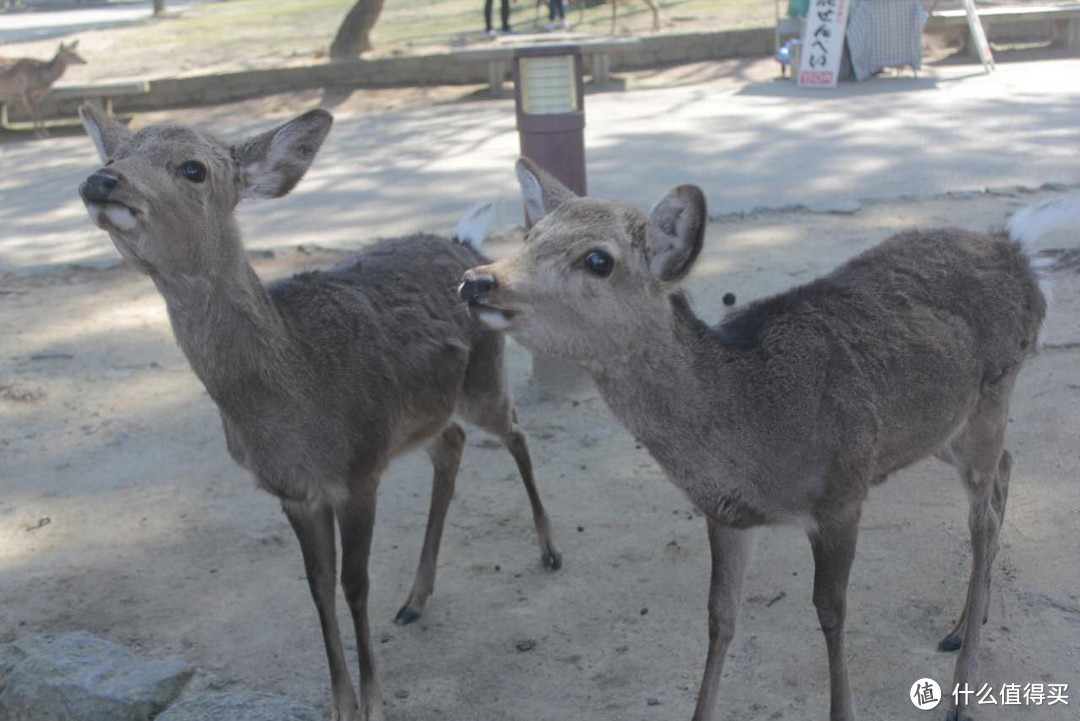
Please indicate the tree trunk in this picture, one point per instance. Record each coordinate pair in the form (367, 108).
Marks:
(353, 37)
(159, 7)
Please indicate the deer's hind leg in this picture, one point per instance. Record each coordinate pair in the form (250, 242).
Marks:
(445, 453)
(985, 467)
(998, 496)
(486, 403)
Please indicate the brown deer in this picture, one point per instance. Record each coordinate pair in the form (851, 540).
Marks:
(321, 379)
(792, 407)
(28, 80)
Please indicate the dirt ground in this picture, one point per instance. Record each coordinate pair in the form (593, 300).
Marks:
(121, 513)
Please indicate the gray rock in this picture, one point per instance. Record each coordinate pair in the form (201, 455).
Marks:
(241, 707)
(78, 676)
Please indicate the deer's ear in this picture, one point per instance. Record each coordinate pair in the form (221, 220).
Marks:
(106, 133)
(271, 164)
(676, 233)
(74, 44)
(541, 192)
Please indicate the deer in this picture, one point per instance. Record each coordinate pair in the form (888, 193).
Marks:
(28, 80)
(322, 378)
(792, 407)
(614, 11)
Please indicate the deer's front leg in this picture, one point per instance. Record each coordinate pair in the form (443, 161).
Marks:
(314, 527)
(356, 516)
(731, 551)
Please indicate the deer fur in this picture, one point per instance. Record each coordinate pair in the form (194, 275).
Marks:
(791, 408)
(322, 378)
(28, 80)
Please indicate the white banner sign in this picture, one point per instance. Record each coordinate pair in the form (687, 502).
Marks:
(823, 43)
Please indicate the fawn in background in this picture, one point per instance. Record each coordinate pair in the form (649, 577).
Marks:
(28, 80)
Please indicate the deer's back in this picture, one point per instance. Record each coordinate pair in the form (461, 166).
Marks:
(873, 366)
(13, 78)
(19, 73)
(380, 349)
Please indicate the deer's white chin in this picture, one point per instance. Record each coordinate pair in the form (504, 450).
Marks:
(494, 319)
(112, 217)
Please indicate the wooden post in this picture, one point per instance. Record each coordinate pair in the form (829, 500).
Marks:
(556, 142)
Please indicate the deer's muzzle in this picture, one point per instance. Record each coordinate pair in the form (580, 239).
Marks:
(98, 188)
(476, 286)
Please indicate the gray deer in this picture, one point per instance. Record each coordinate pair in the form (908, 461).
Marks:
(791, 408)
(323, 378)
(28, 80)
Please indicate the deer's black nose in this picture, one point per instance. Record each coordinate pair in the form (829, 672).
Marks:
(474, 286)
(99, 186)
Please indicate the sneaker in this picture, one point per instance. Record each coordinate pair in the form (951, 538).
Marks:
(565, 25)
(549, 27)
(491, 33)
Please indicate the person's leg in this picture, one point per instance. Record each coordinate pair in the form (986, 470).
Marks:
(487, 15)
(505, 12)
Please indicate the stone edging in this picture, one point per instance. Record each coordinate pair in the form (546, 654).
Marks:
(423, 70)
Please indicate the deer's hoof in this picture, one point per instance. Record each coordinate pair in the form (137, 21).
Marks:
(406, 616)
(950, 643)
(552, 561)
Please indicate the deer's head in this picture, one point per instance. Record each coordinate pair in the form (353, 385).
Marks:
(68, 55)
(592, 273)
(166, 192)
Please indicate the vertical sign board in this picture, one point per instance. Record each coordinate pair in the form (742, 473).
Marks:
(978, 36)
(823, 43)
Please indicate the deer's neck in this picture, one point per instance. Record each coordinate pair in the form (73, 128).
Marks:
(53, 70)
(228, 327)
(674, 392)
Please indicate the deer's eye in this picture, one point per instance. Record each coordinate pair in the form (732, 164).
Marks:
(193, 170)
(599, 263)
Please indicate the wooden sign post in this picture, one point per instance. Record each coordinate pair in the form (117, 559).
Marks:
(823, 43)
